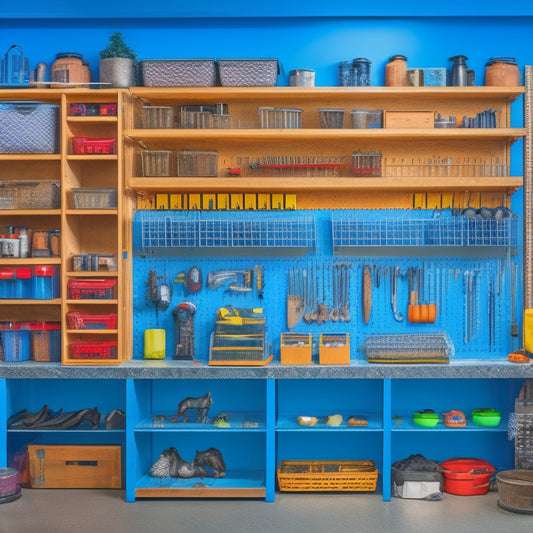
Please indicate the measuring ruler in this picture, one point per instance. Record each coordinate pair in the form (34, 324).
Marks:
(528, 189)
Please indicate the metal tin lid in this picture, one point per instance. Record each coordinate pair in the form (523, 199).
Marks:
(361, 60)
(501, 59)
(298, 71)
(63, 55)
(394, 58)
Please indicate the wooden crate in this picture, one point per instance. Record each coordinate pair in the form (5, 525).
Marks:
(408, 119)
(74, 467)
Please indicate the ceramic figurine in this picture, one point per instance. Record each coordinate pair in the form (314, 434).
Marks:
(170, 464)
(211, 459)
(203, 403)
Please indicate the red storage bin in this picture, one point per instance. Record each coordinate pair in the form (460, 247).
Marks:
(91, 145)
(82, 321)
(465, 476)
(94, 350)
(91, 289)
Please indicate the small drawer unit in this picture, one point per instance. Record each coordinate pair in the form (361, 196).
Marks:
(91, 289)
(93, 110)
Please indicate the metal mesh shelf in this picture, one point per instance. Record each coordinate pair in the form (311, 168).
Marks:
(163, 233)
(373, 230)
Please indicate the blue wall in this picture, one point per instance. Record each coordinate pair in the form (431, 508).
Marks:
(310, 42)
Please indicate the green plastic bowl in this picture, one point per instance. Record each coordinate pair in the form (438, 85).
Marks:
(426, 419)
(486, 417)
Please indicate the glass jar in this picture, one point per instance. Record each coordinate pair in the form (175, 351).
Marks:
(396, 72)
(345, 74)
(502, 72)
(361, 72)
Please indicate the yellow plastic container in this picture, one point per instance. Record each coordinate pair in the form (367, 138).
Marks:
(528, 330)
(154, 343)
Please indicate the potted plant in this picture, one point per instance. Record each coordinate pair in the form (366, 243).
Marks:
(117, 63)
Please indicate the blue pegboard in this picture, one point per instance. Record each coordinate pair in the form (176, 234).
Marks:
(472, 291)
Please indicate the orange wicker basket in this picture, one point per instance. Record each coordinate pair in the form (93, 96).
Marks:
(327, 476)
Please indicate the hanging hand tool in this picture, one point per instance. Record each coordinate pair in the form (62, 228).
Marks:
(367, 294)
(243, 279)
(323, 309)
(345, 314)
(159, 292)
(184, 331)
(395, 272)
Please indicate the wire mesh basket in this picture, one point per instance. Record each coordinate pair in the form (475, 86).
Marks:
(157, 117)
(89, 198)
(30, 194)
(201, 164)
(156, 163)
(408, 348)
(248, 72)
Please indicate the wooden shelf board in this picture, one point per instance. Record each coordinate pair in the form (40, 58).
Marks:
(92, 331)
(18, 261)
(220, 185)
(91, 362)
(30, 157)
(52, 94)
(30, 212)
(344, 134)
(91, 274)
(216, 94)
(199, 493)
(84, 212)
(93, 119)
(92, 157)
(31, 301)
(92, 302)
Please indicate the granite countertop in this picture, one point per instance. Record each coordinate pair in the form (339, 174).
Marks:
(358, 369)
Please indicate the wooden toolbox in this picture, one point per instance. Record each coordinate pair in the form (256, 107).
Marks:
(74, 467)
(408, 119)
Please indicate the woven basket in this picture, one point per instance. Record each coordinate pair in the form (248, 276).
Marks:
(29, 128)
(248, 72)
(327, 476)
(178, 72)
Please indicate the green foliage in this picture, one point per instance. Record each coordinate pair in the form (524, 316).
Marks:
(117, 48)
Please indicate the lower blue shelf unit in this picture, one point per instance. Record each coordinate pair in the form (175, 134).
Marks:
(259, 408)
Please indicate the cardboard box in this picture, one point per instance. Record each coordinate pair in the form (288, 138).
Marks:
(408, 119)
(75, 467)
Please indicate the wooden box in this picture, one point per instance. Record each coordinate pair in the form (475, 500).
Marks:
(74, 467)
(334, 349)
(296, 349)
(408, 119)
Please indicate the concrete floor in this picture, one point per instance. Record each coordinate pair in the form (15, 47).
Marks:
(88, 511)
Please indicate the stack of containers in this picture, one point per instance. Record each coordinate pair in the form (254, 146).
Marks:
(40, 282)
(40, 341)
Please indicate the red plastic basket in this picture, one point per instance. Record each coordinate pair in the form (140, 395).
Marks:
(466, 476)
(94, 350)
(91, 289)
(81, 321)
(90, 145)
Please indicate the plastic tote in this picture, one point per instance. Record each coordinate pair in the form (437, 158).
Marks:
(465, 476)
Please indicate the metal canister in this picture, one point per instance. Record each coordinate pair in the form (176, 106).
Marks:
(302, 78)
(69, 67)
(361, 71)
(502, 72)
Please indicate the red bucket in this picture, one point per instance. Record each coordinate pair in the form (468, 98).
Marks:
(466, 476)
